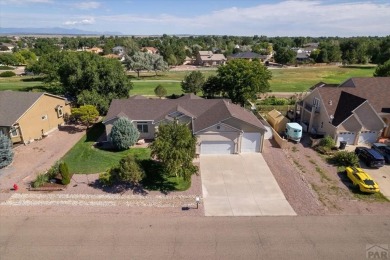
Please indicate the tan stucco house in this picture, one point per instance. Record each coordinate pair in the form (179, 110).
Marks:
(220, 126)
(208, 58)
(28, 116)
(356, 111)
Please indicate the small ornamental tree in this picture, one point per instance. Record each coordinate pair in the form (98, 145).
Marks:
(64, 171)
(174, 146)
(123, 134)
(86, 114)
(6, 153)
(383, 70)
(129, 170)
(193, 82)
(160, 91)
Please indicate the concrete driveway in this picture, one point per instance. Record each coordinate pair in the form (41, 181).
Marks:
(381, 176)
(241, 185)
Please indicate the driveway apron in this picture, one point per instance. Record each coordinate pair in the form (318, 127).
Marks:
(241, 185)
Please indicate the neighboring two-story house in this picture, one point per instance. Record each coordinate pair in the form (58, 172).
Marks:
(27, 116)
(356, 111)
(208, 58)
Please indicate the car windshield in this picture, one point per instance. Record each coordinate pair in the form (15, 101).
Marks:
(369, 182)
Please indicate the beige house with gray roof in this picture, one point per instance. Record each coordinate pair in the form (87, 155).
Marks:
(220, 126)
(356, 111)
(208, 58)
(28, 116)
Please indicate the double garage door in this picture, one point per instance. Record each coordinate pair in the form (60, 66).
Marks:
(365, 137)
(250, 143)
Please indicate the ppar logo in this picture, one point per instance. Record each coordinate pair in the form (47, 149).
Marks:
(377, 251)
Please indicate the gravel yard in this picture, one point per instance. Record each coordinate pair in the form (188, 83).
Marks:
(312, 186)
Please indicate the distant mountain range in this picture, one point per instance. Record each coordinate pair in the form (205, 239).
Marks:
(52, 30)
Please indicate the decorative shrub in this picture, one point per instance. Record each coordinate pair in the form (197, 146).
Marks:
(129, 170)
(105, 178)
(6, 153)
(7, 74)
(123, 134)
(64, 171)
(327, 141)
(345, 158)
(40, 180)
(54, 170)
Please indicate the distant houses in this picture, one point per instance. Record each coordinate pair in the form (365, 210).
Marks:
(208, 59)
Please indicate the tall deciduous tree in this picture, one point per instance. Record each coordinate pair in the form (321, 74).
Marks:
(193, 82)
(174, 146)
(212, 87)
(74, 72)
(6, 153)
(241, 80)
(138, 62)
(285, 55)
(383, 70)
(124, 134)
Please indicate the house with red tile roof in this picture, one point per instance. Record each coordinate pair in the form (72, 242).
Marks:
(356, 111)
(220, 126)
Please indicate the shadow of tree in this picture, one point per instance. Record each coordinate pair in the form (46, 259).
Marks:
(119, 188)
(156, 177)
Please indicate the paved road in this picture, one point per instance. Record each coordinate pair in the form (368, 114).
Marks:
(241, 185)
(140, 237)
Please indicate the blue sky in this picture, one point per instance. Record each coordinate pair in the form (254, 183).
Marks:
(221, 17)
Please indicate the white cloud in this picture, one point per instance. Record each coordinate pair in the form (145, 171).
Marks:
(85, 21)
(290, 18)
(87, 5)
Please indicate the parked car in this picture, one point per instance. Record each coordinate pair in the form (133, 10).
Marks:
(370, 157)
(383, 149)
(362, 180)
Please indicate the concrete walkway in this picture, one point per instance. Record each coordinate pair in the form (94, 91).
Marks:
(241, 185)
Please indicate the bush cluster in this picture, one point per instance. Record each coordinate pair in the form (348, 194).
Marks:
(41, 179)
(7, 74)
(345, 158)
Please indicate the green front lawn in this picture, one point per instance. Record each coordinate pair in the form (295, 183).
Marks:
(84, 158)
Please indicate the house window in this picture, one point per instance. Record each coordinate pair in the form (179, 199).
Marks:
(142, 127)
(316, 102)
(14, 132)
(60, 113)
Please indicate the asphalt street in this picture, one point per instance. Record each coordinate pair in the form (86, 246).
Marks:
(140, 237)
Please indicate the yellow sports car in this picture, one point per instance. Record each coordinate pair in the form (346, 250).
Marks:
(362, 180)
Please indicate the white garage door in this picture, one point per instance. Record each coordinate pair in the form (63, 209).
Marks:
(250, 143)
(346, 136)
(368, 137)
(214, 147)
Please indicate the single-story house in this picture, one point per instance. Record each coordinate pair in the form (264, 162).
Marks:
(356, 111)
(120, 50)
(248, 55)
(27, 116)
(220, 126)
(208, 58)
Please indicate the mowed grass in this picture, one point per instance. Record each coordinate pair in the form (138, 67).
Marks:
(147, 87)
(283, 80)
(85, 158)
(301, 79)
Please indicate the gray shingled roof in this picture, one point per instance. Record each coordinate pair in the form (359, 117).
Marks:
(375, 89)
(206, 112)
(14, 104)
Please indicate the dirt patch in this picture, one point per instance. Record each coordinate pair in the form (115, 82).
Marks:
(331, 189)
